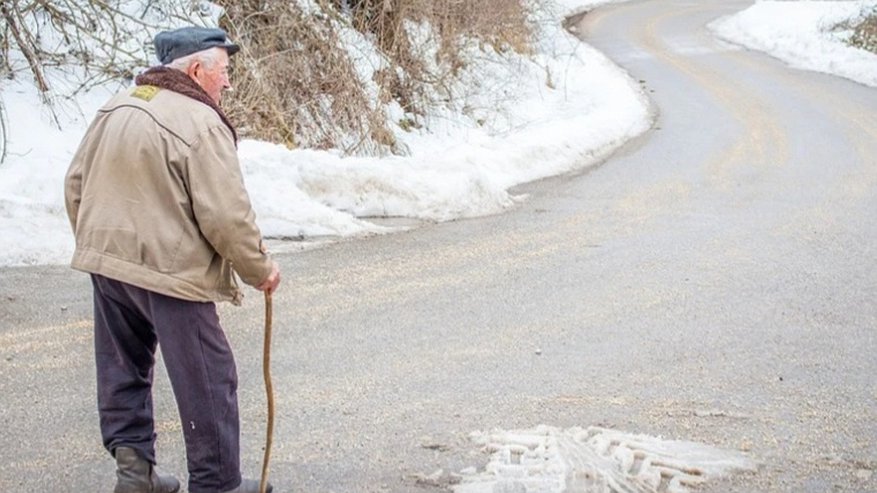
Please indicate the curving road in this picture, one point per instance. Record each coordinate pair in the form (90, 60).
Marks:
(714, 281)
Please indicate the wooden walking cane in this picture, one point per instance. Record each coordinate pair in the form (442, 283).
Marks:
(269, 390)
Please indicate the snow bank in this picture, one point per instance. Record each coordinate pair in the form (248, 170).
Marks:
(33, 222)
(806, 35)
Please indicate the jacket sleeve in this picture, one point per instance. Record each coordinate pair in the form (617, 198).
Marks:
(73, 187)
(222, 206)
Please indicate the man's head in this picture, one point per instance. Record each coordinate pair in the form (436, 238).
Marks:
(202, 53)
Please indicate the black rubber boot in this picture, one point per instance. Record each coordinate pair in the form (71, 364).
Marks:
(249, 486)
(136, 475)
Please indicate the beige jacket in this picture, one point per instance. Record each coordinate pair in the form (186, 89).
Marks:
(156, 199)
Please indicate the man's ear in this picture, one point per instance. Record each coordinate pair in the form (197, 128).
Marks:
(193, 70)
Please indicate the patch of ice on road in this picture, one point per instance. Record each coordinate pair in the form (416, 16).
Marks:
(546, 459)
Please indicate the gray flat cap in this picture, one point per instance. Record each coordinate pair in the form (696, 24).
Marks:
(170, 45)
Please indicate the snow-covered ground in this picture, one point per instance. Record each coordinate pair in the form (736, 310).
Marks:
(805, 34)
(566, 109)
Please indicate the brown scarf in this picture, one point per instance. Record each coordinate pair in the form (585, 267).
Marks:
(179, 82)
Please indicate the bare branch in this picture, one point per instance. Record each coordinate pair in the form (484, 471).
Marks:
(27, 48)
(3, 134)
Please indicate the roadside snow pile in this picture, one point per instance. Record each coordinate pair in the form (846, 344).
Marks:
(807, 35)
(594, 460)
(562, 108)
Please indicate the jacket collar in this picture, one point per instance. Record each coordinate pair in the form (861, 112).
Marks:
(179, 82)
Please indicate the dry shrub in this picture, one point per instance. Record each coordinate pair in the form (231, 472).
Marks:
(865, 33)
(296, 84)
(293, 83)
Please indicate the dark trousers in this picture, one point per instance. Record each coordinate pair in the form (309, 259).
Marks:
(129, 322)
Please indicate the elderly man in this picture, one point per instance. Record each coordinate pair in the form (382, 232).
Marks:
(163, 222)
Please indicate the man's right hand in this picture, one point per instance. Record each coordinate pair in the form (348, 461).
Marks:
(272, 281)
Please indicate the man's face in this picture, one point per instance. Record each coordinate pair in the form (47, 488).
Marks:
(212, 77)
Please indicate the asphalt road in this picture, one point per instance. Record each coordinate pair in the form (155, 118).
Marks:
(714, 281)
